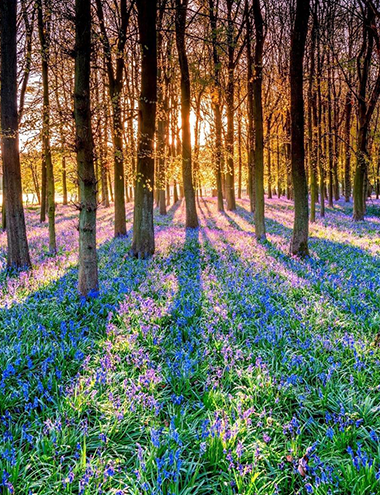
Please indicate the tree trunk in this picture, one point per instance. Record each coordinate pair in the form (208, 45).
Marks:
(366, 107)
(377, 175)
(115, 78)
(347, 162)
(88, 264)
(62, 142)
(299, 243)
(359, 192)
(120, 219)
(230, 102)
(278, 167)
(330, 136)
(312, 124)
(50, 188)
(258, 121)
(250, 112)
(269, 160)
(43, 190)
(191, 211)
(143, 228)
(18, 252)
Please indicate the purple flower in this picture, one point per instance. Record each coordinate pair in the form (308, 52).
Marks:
(266, 438)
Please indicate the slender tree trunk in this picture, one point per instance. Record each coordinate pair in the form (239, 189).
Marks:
(278, 167)
(319, 123)
(250, 111)
(299, 243)
(258, 121)
(230, 102)
(359, 192)
(191, 211)
(377, 176)
(43, 190)
(29, 27)
(115, 78)
(175, 192)
(119, 192)
(336, 144)
(43, 28)
(240, 158)
(143, 228)
(330, 136)
(88, 264)
(347, 162)
(269, 158)
(162, 117)
(312, 116)
(217, 104)
(18, 252)
(63, 142)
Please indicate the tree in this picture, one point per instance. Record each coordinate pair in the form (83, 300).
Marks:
(162, 104)
(88, 264)
(217, 102)
(187, 172)
(44, 13)
(366, 103)
(143, 229)
(115, 81)
(299, 243)
(18, 251)
(258, 121)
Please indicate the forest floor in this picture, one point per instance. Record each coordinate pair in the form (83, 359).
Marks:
(220, 366)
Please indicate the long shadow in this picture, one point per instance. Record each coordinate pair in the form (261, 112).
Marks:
(162, 221)
(343, 273)
(185, 314)
(53, 332)
(206, 214)
(45, 341)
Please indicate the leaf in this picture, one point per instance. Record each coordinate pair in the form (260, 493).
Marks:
(254, 477)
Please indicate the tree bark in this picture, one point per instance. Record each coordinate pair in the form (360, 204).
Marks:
(299, 243)
(217, 105)
(230, 102)
(115, 78)
(330, 136)
(366, 107)
(258, 121)
(347, 162)
(18, 252)
(44, 33)
(88, 264)
(143, 228)
(312, 124)
(191, 211)
(250, 112)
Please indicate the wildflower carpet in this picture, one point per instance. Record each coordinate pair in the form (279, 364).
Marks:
(220, 366)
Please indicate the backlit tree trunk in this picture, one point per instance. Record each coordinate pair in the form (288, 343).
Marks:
(230, 103)
(44, 12)
(299, 243)
(88, 265)
(217, 105)
(143, 228)
(258, 121)
(18, 252)
(187, 172)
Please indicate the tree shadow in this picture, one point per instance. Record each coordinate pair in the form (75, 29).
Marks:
(185, 313)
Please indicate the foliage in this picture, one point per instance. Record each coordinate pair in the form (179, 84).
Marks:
(220, 366)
